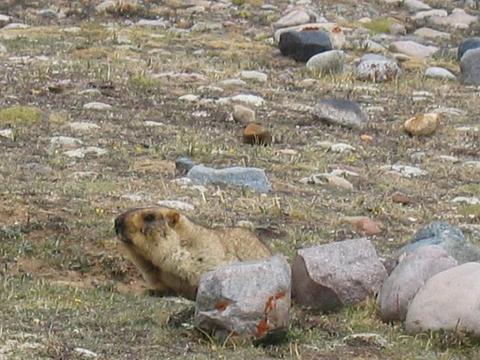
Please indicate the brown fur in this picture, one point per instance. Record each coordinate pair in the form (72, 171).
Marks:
(172, 252)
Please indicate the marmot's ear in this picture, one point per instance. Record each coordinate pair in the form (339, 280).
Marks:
(172, 217)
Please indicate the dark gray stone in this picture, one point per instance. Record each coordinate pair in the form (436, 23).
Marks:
(252, 178)
(249, 299)
(449, 237)
(408, 277)
(302, 45)
(330, 276)
(183, 165)
(341, 112)
(470, 67)
(468, 44)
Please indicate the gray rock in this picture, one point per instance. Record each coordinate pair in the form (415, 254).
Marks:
(3, 49)
(302, 45)
(248, 99)
(48, 13)
(7, 133)
(243, 114)
(413, 49)
(447, 236)
(183, 165)
(439, 73)
(470, 67)
(328, 62)
(177, 204)
(466, 45)
(4, 20)
(422, 15)
(15, 26)
(252, 178)
(450, 301)
(206, 26)
(106, 6)
(428, 33)
(189, 97)
(254, 75)
(408, 277)
(97, 106)
(251, 299)
(294, 18)
(341, 112)
(469, 200)
(232, 83)
(329, 276)
(65, 142)
(83, 126)
(405, 170)
(82, 152)
(458, 19)
(416, 5)
(328, 179)
(159, 23)
(377, 68)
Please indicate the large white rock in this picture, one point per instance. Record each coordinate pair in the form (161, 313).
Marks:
(413, 49)
(408, 277)
(450, 300)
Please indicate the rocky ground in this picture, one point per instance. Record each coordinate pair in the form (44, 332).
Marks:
(99, 100)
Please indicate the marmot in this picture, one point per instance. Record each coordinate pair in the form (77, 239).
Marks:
(172, 252)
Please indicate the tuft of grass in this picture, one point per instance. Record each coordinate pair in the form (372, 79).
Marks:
(470, 211)
(473, 189)
(381, 25)
(20, 116)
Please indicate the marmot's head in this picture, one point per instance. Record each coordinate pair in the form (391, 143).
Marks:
(144, 228)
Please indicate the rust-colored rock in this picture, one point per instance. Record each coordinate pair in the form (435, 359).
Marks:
(256, 134)
(363, 224)
(367, 138)
(422, 125)
(400, 198)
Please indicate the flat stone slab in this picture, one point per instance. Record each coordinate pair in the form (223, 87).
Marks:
(252, 178)
(341, 112)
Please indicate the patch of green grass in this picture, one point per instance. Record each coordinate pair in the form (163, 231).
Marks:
(381, 25)
(20, 115)
(13, 243)
(472, 189)
(470, 210)
(143, 84)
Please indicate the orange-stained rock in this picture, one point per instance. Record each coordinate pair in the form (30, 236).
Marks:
(256, 134)
(423, 124)
(247, 299)
(363, 224)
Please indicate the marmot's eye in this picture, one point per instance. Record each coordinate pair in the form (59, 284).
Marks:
(149, 217)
